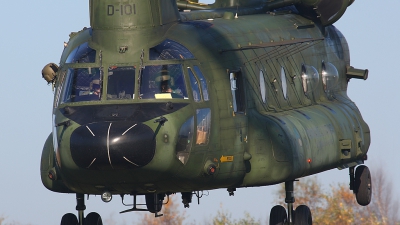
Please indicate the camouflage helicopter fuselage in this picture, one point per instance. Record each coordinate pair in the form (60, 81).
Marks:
(262, 99)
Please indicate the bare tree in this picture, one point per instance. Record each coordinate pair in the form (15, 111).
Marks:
(224, 217)
(385, 204)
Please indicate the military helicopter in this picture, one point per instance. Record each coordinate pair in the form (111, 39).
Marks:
(162, 96)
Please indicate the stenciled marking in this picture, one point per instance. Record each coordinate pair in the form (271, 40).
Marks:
(90, 131)
(227, 158)
(124, 9)
(130, 161)
(128, 129)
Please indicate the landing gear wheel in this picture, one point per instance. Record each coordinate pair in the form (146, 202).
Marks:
(302, 215)
(93, 219)
(154, 202)
(69, 219)
(363, 185)
(278, 215)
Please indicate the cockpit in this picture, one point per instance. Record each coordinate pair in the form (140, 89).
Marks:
(170, 74)
(82, 84)
(157, 82)
(163, 82)
(165, 79)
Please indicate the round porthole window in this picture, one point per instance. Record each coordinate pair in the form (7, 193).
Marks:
(330, 76)
(309, 78)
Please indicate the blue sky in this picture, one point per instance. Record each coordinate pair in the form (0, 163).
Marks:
(32, 35)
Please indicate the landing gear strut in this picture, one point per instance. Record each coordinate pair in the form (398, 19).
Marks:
(300, 216)
(80, 207)
(91, 219)
(289, 199)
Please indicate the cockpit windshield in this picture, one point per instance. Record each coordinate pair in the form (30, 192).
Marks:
(168, 50)
(163, 82)
(121, 83)
(82, 54)
(82, 84)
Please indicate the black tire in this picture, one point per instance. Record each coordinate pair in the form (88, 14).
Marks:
(154, 202)
(363, 185)
(69, 219)
(302, 215)
(93, 219)
(278, 215)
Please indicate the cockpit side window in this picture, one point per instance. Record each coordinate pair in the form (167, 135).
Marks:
(121, 83)
(169, 49)
(203, 126)
(195, 86)
(82, 54)
(203, 82)
(163, 82)
(82, 84)
(59, 87)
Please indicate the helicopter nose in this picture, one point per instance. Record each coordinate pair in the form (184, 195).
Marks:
(112, 145)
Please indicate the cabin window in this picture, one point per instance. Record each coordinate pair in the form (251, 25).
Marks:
(203, 126)
(184, 143)
(237, 89)
(169, 49)
(61, 78)
(163, 82)
(263, 90)
(330, 76)
(309, 78)
(82, 54)
(121, 83)
(284, 83)
(195, 86)
(203, 83)
(83, 84)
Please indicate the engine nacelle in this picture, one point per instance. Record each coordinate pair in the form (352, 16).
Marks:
(326, 11)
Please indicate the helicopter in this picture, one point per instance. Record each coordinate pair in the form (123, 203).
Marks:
(162, 97)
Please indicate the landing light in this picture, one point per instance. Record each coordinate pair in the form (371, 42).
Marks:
(52, 175)
(210, 168)
(106, 196)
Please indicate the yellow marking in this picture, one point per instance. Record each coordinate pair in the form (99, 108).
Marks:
(163, 96)
(226, 159)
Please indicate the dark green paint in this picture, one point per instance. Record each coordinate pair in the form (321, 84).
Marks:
(271, 141)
